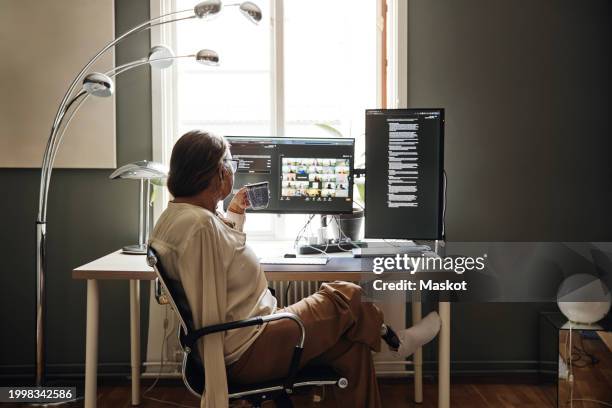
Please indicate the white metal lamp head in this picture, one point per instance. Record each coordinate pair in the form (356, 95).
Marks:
(207, 57)
(98, 84)
(210, 8)
(251, 11)
(161, 57)
(207, 8)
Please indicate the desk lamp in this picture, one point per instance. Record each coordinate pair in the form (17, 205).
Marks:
(99, 85)
(144, 171)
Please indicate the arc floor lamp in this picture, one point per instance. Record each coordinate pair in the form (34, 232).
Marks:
(101, 85)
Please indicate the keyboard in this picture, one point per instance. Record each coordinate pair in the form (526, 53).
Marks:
(304, 260)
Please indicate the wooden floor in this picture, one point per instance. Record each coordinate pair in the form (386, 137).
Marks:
(593, 381)
(395, 393)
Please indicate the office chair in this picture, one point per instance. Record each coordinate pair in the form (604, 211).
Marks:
(193, 369)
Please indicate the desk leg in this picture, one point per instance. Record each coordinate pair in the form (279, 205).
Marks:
(444, 356)
(135, 339)
(91, 345)
(418, 356)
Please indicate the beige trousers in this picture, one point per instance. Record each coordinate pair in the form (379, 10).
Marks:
(341, 331)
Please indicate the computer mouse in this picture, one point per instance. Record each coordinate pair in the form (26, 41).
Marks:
(290, 256)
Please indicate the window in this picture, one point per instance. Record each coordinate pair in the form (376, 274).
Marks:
(330, 66)
(233, 98)
(312, 74)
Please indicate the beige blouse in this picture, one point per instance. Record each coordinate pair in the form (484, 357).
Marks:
(223, 281)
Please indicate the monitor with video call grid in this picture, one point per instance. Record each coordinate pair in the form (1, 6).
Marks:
(306, 175)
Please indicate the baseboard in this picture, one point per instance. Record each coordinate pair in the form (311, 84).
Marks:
(62, 371)
(466, 368)
(463, 368)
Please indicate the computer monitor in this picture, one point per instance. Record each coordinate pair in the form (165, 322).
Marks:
(404, 180)
(306, 175)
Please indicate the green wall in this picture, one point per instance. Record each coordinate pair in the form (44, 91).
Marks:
(528, 96)
(89, 216)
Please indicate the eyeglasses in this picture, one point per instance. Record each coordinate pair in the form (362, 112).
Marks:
(233, 163)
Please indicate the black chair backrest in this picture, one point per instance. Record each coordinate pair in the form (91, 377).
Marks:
(174, 288)
(193, 369)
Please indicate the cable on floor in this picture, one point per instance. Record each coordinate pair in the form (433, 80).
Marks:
(161, 367)
(161, 357)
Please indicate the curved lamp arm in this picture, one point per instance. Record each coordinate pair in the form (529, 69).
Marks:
(82, 96)
(135, 64)
(160, 57)
(46, 167)
(204, 9)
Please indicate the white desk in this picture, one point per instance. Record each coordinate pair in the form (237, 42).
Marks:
(117, 266)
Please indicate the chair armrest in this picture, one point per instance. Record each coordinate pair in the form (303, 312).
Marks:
(191, 338)
(294, 366)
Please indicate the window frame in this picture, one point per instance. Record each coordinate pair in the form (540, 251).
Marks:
(391, 74)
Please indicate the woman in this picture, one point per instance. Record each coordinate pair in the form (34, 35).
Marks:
(223, 281)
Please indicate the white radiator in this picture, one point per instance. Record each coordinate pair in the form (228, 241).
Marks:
(288, 292)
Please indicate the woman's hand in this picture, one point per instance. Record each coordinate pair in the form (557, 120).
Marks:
(240, 202)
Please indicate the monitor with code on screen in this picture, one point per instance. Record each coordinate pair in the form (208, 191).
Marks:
(405, 173)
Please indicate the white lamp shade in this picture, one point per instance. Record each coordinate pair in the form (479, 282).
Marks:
(584, 298)
(161, 57)
(139, 170)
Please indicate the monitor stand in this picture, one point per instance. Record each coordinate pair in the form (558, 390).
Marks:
(334, 247)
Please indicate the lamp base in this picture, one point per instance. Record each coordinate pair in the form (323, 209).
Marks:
(581, 326)
(134, 249)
